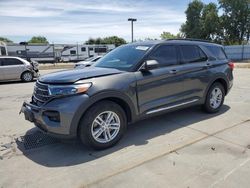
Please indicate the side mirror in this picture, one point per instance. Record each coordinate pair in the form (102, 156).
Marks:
(149, 65)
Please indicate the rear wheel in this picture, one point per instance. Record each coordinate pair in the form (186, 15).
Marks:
(215, 98)
(27, 76)
(103, 125)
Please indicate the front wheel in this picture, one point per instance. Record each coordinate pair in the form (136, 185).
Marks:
(215, 98)
(103, 125)
(27, 76)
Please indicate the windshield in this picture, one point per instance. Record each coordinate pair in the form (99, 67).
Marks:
(123, 58)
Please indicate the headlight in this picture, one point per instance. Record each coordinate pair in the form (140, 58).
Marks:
(60, 90)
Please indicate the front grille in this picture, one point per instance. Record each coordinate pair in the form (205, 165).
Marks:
(41, 93)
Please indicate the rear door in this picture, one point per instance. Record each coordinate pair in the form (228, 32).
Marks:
(162, 86)
(195, 71)
(12, 68)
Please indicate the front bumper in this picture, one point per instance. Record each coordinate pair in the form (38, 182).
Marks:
(57, 117)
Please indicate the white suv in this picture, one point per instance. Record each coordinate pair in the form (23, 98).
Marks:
(15, 68)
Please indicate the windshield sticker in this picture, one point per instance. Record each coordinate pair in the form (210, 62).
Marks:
(144, 48)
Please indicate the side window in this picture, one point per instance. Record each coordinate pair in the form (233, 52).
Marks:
(91, 49)
(217, 52)
(72, 52)
(83, 49)
(191, 54)
(166, 55)
(10, 62)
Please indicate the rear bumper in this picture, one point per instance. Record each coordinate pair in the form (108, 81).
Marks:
(55, 118)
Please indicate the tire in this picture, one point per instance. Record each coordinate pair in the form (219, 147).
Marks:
(94, 133)
(215, 98)
(27, 76)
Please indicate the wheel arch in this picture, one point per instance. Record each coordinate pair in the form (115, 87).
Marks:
(121, 99)
(220, 79)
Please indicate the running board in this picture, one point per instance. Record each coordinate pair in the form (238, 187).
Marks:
(170, 107)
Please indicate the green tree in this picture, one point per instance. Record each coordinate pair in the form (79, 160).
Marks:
(167, 35)
(3, 39)
(38, 39)
(90, 41)
(117, 41)
(192, 28)
(235, 20)
(210, 22)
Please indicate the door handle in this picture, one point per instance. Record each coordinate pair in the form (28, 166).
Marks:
(174, 71)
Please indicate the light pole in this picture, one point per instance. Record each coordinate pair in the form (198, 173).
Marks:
(132, 20)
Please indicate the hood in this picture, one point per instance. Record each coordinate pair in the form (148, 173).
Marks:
(71, 76)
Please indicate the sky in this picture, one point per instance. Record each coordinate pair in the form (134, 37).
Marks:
(72, 21)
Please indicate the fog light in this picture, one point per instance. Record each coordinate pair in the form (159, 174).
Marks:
(52, 115)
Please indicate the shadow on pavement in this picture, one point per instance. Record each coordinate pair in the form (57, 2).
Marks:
(69, 154)
(15, 82)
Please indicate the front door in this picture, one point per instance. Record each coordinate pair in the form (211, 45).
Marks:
(161, 86)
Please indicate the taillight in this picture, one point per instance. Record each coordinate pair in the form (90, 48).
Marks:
(231, 65)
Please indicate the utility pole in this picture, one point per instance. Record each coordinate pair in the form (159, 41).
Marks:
(132, 20)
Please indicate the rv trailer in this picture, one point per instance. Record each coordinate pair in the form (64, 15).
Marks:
(57, 52)
(3, 49)
(37, 52)
(81, 52)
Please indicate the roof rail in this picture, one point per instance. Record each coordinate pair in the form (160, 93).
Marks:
(191, 39)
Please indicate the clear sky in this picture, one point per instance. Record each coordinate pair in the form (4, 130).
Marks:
(71, 21)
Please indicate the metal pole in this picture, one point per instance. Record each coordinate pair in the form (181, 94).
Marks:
(132, 31)
(132, 20)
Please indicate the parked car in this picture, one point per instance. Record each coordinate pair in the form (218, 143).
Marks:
(15, 68)
(132, 82)
(88, 62)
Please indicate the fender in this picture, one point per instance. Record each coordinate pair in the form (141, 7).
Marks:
(216, 77)
(98, 97)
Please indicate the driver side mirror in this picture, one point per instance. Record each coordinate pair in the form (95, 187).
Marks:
(149, 65)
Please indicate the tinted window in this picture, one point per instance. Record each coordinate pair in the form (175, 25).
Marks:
(72, 52)
(100, 50)
(9, 62)
(123, 58)
(83, 49)
(165, 55)
(192, 54)
(217, 52)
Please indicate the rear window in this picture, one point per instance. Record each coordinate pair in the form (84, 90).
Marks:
(217, 52)
(191, 54)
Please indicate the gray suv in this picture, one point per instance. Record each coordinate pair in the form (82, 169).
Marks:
(132, 82)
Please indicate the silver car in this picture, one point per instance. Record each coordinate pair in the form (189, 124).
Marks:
(88, 62)
(15, 68)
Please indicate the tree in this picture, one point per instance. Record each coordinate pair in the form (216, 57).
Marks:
(210, 22)
(38, 39)
(192, 28)
(235, 20)
(117, 41)
(90, 41)
(167, 35)
(3, 39)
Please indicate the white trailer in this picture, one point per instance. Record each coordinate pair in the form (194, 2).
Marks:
(57, 52)
(38, 52)
(81, 52)
(3, 49)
